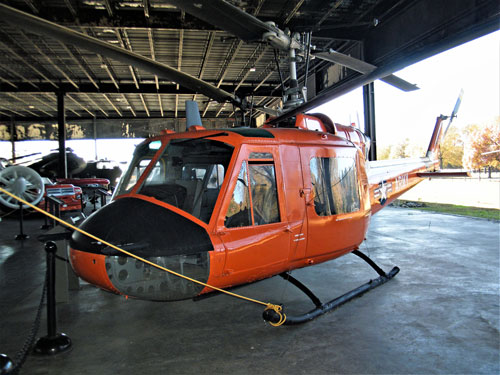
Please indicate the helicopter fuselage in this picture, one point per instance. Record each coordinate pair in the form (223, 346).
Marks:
(233, 206)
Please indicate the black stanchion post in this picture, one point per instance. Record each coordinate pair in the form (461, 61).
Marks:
(95, 201)
(58, 213)
(46, 224)
(103, 198)
(53, 211)
(21, 235)
(54, 342)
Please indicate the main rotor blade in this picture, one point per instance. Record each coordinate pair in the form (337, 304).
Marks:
(339, 90)
(364, 68)
(225, 16)
(40, 26)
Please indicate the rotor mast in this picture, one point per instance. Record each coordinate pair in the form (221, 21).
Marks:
(293, 96)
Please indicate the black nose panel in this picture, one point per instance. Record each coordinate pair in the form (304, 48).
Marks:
(142, 228)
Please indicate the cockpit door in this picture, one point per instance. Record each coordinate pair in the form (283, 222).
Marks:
(297, 197)
(336, 222)
(252, 224)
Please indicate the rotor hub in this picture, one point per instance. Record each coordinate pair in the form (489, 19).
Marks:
(19, 186)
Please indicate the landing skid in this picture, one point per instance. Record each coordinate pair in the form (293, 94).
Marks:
(321, 308)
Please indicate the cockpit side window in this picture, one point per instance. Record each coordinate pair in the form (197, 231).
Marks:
(335, 185)
(264, 194)
(239, 212)
(255, 196)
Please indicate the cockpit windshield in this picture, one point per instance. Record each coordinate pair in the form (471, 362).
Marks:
(143, 155)
(188, 174)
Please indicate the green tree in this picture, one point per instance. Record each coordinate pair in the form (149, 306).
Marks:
(400, 150)
(452, 149)
(384, 153)
(480, 147)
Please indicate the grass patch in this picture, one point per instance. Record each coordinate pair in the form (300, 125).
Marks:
(485, 213)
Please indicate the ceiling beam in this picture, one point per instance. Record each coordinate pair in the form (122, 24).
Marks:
(24, 79)
(70, 7)
(144, 104)
(332, 9)
(153, 56)
(123, 17)
(179, 63)
(33, 5)
(287, 14)
(129, 105)
(7, 82)
(230, 57)
(125, 43)
(84, 69)
(54, 65)
(176, 106)
(260, 51)
(266, 77)
(7, 110)
(208, 48)
(22, 60)
(160, 103)
(36, 98)
(8, 114)
(28, 105)
(257, 88)
(112, 104)
(79, 104)
(109, 7)
(104, 63)
(145, 4)
(233, 52)
(96, 105)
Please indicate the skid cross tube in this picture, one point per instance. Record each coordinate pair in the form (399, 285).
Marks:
(322, 308)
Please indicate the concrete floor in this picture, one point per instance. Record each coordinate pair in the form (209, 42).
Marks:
(440, 315)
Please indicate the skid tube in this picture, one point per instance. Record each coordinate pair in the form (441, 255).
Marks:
(322, 308)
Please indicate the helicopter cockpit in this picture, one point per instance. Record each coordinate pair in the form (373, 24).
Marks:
(188, 173)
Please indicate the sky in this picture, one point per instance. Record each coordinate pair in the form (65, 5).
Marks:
(473, 66)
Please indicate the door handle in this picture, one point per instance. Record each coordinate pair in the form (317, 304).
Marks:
(308, 195)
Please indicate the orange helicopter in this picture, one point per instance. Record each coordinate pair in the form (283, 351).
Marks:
(228, 207)
(233, 206)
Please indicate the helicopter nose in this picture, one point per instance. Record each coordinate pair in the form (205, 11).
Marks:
(149, 231)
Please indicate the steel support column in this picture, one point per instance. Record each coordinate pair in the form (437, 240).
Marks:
(13, 137)
(369, 109)
(94, 126)
(61, 136)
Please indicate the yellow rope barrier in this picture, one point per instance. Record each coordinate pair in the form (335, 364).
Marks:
(269, 306)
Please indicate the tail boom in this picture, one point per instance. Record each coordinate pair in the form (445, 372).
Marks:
(388, 179)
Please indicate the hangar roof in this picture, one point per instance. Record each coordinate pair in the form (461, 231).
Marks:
(34, 68)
